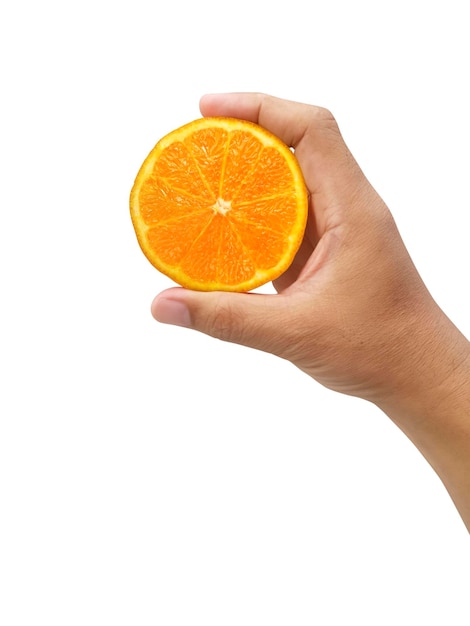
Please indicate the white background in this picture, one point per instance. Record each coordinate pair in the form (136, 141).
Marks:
(151, 475)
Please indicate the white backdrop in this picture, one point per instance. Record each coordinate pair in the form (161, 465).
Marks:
(150, 475)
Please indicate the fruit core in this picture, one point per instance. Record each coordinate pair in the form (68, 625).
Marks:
(222, 206)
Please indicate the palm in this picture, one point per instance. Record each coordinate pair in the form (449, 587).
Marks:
(301, 258)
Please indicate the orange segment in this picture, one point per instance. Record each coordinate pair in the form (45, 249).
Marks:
(262, 236)
(207, 268)
(220, 204)
(165, 237)
(208, 147)
(241, 158)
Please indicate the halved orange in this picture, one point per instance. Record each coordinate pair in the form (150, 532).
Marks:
(220, 204)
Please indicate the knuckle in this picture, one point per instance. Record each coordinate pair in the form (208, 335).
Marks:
(225, 324)
(324, 119)
(325, 114)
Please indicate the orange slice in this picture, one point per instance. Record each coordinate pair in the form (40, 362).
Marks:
(220, 204)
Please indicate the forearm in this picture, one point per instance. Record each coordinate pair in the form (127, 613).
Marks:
(432, 407)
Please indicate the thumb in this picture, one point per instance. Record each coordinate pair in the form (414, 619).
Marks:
(254, 320)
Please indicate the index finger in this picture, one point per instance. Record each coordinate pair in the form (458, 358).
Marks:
(287, 119)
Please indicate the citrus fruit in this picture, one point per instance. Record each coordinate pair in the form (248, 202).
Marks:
(220, 204)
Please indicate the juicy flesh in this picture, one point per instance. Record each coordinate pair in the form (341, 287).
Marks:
(213, 203)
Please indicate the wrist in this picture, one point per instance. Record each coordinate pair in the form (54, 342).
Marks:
(431, 370)
(432, 407)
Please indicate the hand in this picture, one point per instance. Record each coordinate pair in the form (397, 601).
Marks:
(351, 295)
(351, 311)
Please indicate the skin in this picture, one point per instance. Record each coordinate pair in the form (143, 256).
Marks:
(352, 310)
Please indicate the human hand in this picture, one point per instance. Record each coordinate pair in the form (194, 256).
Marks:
(351, 311)
(352, 294)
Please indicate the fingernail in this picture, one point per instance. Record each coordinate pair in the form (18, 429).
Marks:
(169, 311)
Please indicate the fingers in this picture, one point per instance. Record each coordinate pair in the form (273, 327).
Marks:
(287, 119)
(252, 320)
(329, 169)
